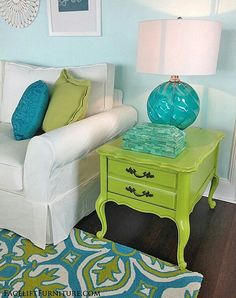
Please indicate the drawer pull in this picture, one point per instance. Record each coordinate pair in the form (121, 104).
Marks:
(144, 193)
(134, 172)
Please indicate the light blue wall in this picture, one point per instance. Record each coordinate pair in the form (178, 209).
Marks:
(118, 45)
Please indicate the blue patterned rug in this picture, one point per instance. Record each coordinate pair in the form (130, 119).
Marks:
(83, 266)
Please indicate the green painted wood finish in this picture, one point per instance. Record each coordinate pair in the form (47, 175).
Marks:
(148, 174)
(200, 143)
(142, 192)
(163, 186)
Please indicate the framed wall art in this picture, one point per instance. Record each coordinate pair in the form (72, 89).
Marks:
(74, 17)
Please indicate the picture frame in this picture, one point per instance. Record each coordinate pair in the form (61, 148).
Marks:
(74, 17)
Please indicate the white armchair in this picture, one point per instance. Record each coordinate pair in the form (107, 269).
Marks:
(49, 183)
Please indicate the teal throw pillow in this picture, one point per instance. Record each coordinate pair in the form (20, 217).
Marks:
(29, 113)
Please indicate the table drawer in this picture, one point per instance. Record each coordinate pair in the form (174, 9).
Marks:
(142, 192)
(141, 173)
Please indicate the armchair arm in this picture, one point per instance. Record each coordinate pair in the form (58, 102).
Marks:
(53, 150)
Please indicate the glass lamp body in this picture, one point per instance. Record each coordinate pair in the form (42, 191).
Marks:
(173, 103)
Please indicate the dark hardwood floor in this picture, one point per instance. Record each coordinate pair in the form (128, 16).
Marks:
(211, 249)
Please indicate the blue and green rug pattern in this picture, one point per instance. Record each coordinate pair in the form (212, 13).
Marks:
(83, 265)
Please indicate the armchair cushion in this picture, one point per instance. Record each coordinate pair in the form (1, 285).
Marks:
(12, 156)
(68, 103)
(28, 115)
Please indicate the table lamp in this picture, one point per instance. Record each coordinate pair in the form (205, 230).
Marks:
(177, 47)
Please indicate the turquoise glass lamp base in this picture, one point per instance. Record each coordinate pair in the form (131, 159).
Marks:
(175, 103)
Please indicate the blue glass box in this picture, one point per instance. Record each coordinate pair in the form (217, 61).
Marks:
(157, 139)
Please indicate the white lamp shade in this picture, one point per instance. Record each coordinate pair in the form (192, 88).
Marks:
(178, 47)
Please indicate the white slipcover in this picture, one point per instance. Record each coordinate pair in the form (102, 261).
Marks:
(49, 183)
(12, 156)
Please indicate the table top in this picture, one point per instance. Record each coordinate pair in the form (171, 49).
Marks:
(200, 143)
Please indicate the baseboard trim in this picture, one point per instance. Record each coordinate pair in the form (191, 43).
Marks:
(224, 192)
(226, 201)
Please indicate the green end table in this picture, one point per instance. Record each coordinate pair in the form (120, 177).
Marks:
(163, 186)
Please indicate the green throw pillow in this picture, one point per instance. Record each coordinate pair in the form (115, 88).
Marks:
(69, 101)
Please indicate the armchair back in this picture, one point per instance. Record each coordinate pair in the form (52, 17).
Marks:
(16, 77)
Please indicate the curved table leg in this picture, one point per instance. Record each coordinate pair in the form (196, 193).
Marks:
(183, 236)
(214, 184)
(100, 209)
